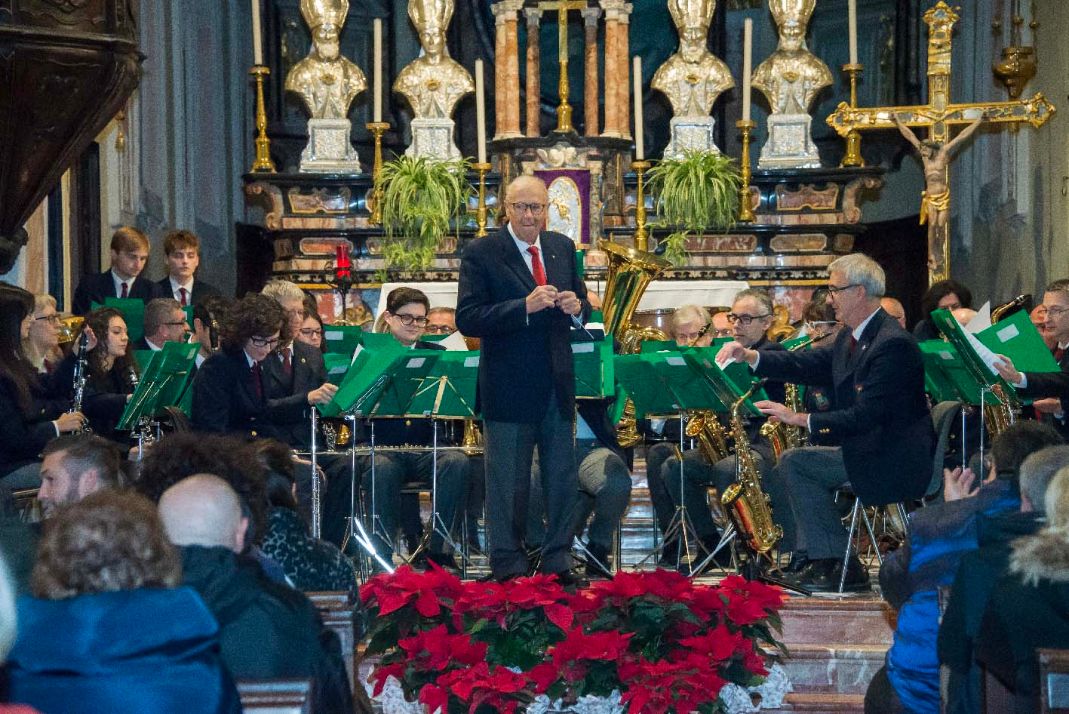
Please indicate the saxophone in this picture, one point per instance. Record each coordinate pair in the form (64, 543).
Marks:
(712, 438)
(782, 436)
(746, 504)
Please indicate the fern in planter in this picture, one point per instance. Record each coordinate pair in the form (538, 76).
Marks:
(695, 192)
(419, 197)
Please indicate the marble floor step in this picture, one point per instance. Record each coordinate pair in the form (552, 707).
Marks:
(821, 703)
(833, 668)
(842, 620)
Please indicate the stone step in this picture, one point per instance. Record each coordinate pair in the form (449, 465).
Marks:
(821, 703)
(841, 620)
(833, 669)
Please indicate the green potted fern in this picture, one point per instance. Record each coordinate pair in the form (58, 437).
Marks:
(419, 198)
(695, 192)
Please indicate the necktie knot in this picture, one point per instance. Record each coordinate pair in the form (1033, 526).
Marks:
(183, 299)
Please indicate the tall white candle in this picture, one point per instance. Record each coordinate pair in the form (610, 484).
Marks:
(747, 62)
(852, 20)
(480, 110)
(640, 151)
(257, 39)
(376, 111)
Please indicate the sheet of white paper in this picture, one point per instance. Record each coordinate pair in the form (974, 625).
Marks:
(455, 342)
(981, 320)
(986, 356)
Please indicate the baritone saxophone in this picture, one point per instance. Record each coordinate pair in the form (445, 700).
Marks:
(746, 503)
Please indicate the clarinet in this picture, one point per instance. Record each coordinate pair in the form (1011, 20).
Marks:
(80, 378)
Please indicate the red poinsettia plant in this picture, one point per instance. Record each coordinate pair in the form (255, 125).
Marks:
(665, 643)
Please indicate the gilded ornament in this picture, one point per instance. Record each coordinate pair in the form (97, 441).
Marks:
(434, 82)
(326, 81)
(792, 76)
(693, 77)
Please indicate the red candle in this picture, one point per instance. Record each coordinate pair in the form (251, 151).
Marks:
(342, 265)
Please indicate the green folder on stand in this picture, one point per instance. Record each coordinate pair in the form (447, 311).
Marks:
(595, 376)
(448, 389)
(946, 378)
(382, 372)
(1017, 338)
(162, 383)
(729, 383)
(667, 383)
(133, 312)
(342, 339)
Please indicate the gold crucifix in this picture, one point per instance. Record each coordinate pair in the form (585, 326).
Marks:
(564, 109)
(938, 115)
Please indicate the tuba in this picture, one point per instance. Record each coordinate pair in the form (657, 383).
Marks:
(630, 273)
(746, 504)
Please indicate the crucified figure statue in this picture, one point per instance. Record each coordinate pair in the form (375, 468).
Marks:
(935, 200)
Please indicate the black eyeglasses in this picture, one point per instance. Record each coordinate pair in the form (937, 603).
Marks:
(264, 341)
(177, 323)
(407, 320)
(745, 319)
(535, 208)
(835, 290)
(311, 332)
(440, 329)
(54, 318)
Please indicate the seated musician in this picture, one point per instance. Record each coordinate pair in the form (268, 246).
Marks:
(208, 315)
(28, 420)
(311, 332)
(181, 249)
(689, 323)
(721, 325)
(229, 390)
(112, 373)
(943, 295)
(604, 486)
(406, 318)
(1049, 390)
(41, 346)
(751, 316)
(294, 376)
(165, 321)
(879, 420)
(129, 254)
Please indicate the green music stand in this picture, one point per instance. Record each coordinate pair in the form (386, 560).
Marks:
(342, 339)
(595, 375)
(162, 384)
(1017, 338)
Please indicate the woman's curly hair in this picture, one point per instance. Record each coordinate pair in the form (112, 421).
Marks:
(108, 541)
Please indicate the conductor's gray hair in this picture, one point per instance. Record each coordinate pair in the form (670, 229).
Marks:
(859, 269)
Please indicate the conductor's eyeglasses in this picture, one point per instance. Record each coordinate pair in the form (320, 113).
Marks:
(407, 320)
(745, 319)
(836, 289)
(535, 208)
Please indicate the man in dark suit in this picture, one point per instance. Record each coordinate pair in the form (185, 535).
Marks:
(164, 322)
(518, 292)
(181, 249)
(129, 253)
(879, 419)
(1049, 390)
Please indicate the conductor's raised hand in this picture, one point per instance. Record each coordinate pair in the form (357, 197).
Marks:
(733, 352)
(540, 298)
(323, 394)
(569, 302)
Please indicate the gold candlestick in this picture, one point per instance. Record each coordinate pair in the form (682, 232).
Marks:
(480, 211)
(377, 129)
(263, 162)
(746, 214)
(853, 137)
(642, 239)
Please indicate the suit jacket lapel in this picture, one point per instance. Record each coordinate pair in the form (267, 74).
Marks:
(512, 258)
(556, 273)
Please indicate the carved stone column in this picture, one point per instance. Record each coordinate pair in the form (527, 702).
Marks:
(612, 78)
(507, 73)
(590, 80)
(534, 85)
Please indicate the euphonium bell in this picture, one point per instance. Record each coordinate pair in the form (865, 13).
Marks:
(69, 327)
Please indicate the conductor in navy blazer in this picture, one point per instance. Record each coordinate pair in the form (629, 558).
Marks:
(521, 302)
(879, 420)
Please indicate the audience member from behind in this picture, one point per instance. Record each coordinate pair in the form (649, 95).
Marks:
(107, 629)
(308, 563)
(911, 576)
(980, 570)
(266, 630)
(945, 294)
(8, 629)
(1029, 607)
(129, 254)
(76, 466)
(28, 420)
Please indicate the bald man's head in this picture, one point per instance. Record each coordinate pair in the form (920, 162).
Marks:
(203, 510)
(526, 199)
(894, 308)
